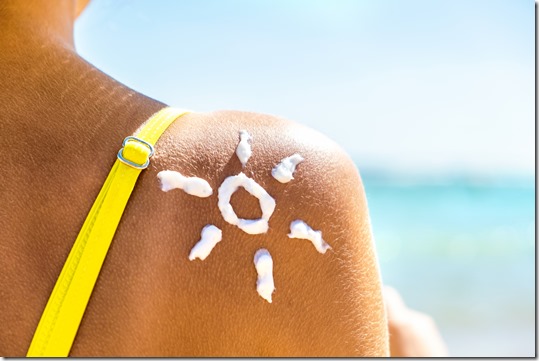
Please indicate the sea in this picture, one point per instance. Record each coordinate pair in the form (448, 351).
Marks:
(461, 249)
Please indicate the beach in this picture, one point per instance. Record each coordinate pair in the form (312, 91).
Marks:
(462, 250)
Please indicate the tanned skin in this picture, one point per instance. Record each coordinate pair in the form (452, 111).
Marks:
(62, 122)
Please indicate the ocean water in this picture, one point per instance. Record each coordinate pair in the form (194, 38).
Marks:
(463, 251)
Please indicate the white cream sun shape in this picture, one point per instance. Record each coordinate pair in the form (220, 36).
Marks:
(211, 235)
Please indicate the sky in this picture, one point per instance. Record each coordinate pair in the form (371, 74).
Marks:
(426, 87)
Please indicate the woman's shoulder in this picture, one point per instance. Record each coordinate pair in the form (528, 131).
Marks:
(200, 139)
(327, 288)
(320, 176)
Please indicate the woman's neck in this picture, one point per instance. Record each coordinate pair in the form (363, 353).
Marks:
(46, 83)
(25, 23)
(36, 42)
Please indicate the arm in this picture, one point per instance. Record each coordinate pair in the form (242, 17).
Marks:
(412, 333)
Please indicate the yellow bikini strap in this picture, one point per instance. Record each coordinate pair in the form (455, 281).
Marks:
(62, 316)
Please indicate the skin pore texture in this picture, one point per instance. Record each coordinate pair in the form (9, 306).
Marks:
(62, 123)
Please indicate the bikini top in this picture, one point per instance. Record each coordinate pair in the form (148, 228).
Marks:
(65, 308)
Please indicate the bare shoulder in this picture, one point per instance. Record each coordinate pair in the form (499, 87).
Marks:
(204, 144)
(324, 303)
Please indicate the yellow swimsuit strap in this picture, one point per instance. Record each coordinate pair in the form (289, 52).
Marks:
(61, 318)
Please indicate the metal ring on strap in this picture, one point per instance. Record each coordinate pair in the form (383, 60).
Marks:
(133, 164)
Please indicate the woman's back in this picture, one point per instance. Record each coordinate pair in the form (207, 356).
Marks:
(62, 123)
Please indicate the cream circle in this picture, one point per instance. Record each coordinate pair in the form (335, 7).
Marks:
(267, 203)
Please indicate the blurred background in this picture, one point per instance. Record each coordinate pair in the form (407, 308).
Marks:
(434, 100)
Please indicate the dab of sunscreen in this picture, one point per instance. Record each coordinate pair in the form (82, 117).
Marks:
(300, 229)
(284, 171)
(243, 151)
(264, 269)
(267, 203)
(209, 237)
(191, 185)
